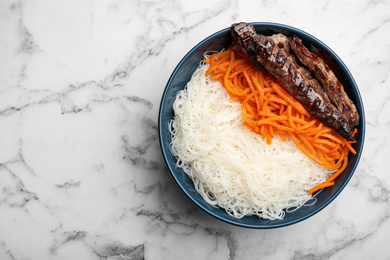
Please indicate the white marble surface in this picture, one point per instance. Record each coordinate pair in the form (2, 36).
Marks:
(81, 172)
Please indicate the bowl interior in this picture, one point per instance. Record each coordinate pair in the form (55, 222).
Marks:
(182, 74)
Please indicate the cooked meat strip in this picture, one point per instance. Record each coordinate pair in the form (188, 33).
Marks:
(305, 89)
(283, 42)
(332, 86)
(244, 43)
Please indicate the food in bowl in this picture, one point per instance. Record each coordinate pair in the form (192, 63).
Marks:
(214, 126)
(231, 166)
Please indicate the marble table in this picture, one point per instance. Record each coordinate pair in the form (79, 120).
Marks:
(81, 171)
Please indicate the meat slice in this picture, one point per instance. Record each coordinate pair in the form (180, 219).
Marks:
(332, 86)
(283, 42)
(305, 89)
(244, 35)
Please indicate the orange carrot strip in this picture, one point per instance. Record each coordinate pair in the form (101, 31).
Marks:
(312, 122)
(332, 137)
(303, 149)
(348, 145)
(269, 123)
(307, 144)
(290, 120)
(312, 130)
(354, 132)
(283, 93)
(323, 131)
(320, 147)
(260, 88)
(334, 176)
(252, 87)
(223, 54)
(321, 186)
(244, 113)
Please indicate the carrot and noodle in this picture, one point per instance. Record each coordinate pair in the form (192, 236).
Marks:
(269, 110)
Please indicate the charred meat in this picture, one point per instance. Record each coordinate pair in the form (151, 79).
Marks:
(294, 78)
(332, 86)
(244, 36)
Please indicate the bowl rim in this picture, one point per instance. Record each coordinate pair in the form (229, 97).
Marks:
(362, 125)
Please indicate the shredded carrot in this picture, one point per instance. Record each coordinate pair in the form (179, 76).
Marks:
(268, 109)
(321, 186)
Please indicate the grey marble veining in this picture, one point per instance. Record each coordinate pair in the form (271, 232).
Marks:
(81, 172)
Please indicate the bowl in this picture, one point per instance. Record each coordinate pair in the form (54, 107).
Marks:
(182, 74)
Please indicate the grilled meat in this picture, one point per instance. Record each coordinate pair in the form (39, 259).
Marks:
(244, 35)
(283, 42)
(333, 88)
(297, 81)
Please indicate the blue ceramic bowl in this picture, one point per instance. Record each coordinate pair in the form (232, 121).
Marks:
(182, 74)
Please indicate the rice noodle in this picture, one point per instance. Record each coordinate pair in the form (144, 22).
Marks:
(232, 167)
